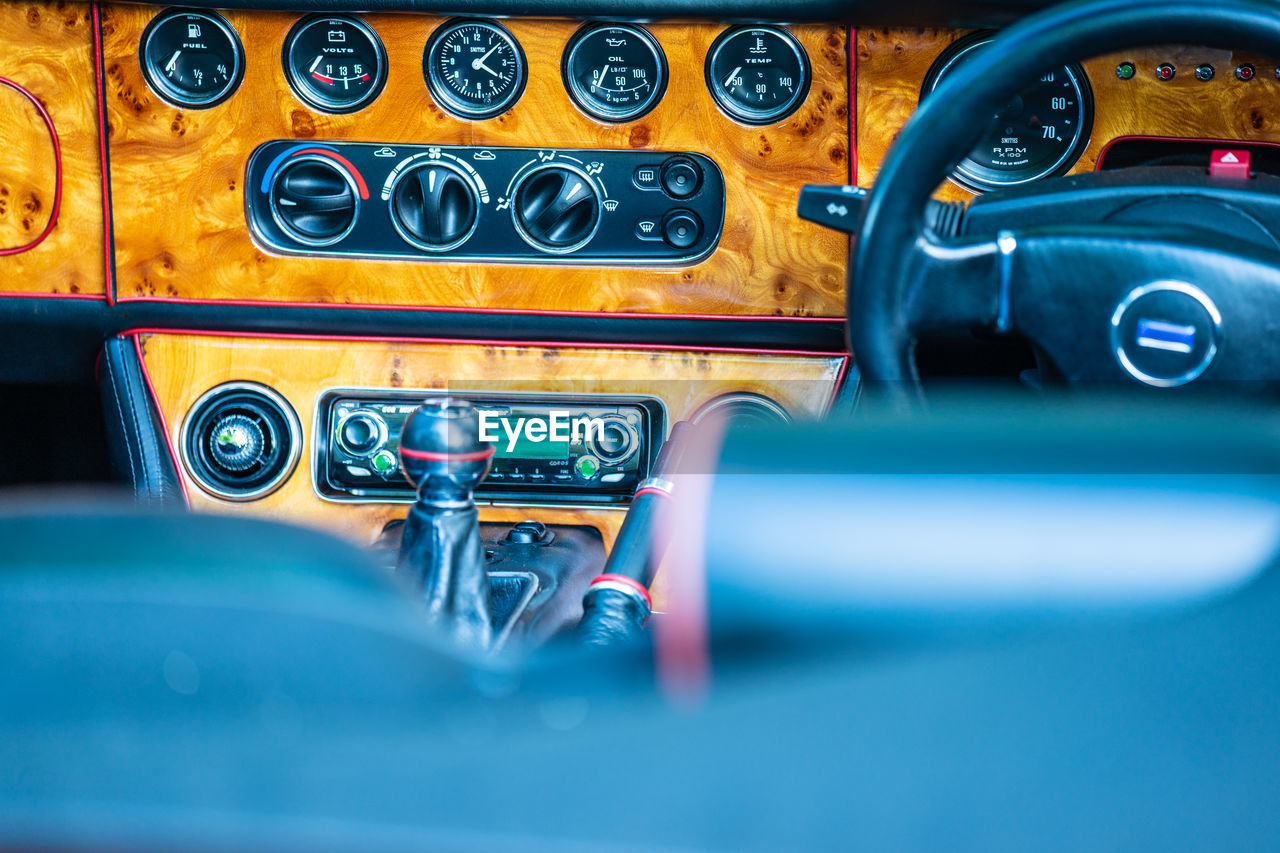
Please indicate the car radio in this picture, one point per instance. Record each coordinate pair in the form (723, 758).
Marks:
(547, 448)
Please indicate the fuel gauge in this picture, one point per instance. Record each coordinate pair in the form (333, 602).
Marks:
(192, 59)
(335, 64)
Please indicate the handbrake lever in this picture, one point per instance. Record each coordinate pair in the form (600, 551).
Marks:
(617, 604)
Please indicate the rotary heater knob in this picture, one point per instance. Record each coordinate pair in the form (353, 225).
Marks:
(435, 207)
(557, 209)
(314, 200)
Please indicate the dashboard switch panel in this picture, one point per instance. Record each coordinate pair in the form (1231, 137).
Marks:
(515, 205)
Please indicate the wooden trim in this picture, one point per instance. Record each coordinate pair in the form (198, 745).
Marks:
(182, 367)
(892, 65)
(769, 263)
(48, 181)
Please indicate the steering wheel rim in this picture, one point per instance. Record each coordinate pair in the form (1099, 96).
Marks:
(932, 143)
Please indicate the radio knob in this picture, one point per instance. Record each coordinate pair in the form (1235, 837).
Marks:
(616, 441)
(361, 433)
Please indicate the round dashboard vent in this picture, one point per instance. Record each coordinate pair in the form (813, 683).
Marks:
(743, 410)
(240, 441)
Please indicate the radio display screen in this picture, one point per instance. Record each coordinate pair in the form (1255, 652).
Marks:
(514, 441)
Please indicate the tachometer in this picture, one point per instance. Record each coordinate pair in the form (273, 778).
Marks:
(758, 75)
(335, 64)
(1040, 133)
(192, 59)
(614, 72)
(474, 69)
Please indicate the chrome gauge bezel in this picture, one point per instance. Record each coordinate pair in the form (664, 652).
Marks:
(585, 101)
(975, 177)
(449, 101)
(318, 100)
(292, 426)
(160, 84)
(747, 115)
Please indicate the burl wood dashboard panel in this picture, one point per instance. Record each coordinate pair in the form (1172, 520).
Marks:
(180, 222)
(183, 367)
(48, 51)
(893, 63)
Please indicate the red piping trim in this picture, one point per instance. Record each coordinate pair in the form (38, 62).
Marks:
(294, 336)
(104, 163)
(853, 106)
(14, 295)
(57, 169)
(364, 188)
(164, 425)
(429, 456)
(542, 312)
(650, 490)
(1102, 155)
(625, 581)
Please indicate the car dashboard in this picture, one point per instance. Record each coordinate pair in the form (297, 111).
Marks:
(291, 223)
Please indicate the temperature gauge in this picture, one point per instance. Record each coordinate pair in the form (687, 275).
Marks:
(615, 73)
(192, 59)
(335, 64)
(758, 75)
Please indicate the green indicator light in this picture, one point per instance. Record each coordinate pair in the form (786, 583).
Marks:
(1125, 71)
(383, 462)
(587, 466)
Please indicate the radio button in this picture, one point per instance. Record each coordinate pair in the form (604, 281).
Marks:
(384, 462)
(613, 478)
(587, 467)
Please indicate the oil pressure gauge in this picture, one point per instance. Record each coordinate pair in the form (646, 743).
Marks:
(758, 75)
(614, 72)
(192, 59)
(335, 64)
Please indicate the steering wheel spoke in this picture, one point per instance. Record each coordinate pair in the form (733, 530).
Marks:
(1160, 307)
(953, 284)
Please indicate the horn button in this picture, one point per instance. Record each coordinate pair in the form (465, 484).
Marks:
(1166, 333)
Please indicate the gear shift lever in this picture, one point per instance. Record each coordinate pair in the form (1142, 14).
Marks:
(442, 455)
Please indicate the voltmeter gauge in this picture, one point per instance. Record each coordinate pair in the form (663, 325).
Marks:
(335, 64)
(474, 69)
(758, 75)
(614, 73)
(1039, 134)
(192, 59)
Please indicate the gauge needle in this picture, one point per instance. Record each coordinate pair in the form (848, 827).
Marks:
(168, 66)
(479, 63)
(732, 74)
(603, 71)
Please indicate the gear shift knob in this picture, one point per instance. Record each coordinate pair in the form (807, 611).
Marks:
(442, 455)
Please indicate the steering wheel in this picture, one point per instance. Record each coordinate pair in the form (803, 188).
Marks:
(1104, 303)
